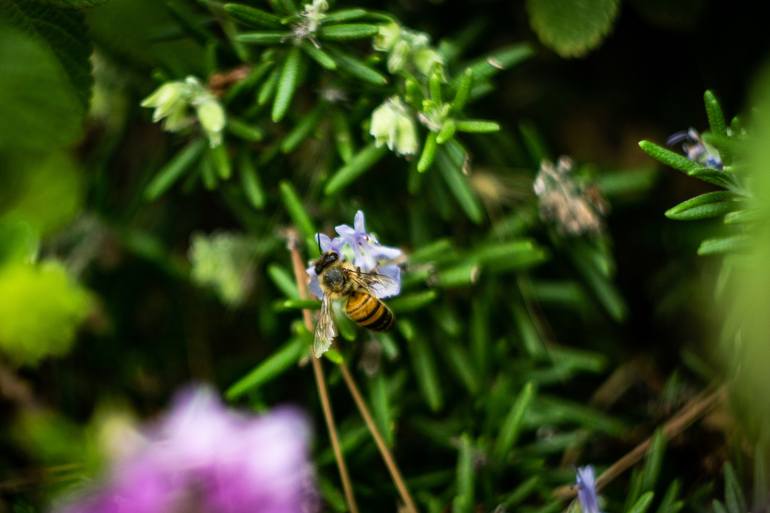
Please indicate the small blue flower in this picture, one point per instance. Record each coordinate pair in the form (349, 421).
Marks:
(367, 251)
(695, 149)
(368, 255)
(586, 489)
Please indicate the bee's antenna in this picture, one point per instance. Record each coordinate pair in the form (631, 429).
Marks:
(318, 241)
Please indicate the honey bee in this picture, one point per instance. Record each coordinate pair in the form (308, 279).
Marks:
(341, 280)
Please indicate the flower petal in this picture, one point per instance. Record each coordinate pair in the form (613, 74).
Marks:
(324, 242)
(392, 286)
(359, 223)
(386, 253)
(345, 230)
(586, 485)
(313, 284)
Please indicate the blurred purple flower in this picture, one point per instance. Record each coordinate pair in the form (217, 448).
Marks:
(368, 255)
(204, 458)
(695, 149)
(586, 489)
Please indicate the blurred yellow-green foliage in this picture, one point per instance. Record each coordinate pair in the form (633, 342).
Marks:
(41, 308)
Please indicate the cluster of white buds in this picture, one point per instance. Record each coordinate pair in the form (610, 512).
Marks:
(393, 125)
(172, 102)
(310, 19)
(574, 208)
(406, 49)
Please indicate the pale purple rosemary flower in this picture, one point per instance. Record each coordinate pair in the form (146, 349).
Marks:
(695, 149)
(205, 458)
(368, 255)
(586, 490)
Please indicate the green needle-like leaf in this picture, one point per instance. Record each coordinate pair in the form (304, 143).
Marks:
(428, 154)
(504, 58)
(250, 182)
(347, 32)
(463, 90)
(359, 164)
(464, 500)
(668, 157)
(253, 16)
(287, 84)
(478, 126)
(643, 503)
(344, 15)
(273, 366)
(509, 430)
(296, 210)
(303, 129)
(459, 186)
(173, 170)
(704, 206)
(263, 38)
(715, 115)
(318, 55)
(447, 131)
(356, 68)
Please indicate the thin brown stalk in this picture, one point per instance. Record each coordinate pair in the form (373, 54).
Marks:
(387, 457)
(320, 380)
(690, 412)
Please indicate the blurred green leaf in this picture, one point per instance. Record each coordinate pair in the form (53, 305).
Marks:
(459, 186)
(653, 461)
(64, 31)
(18, 242)
(253, 16)
(41, 108)
(464, 498)
(44, 190)
(572, 29)
(297, 211)
(734, 498)
(303, 128)
(358, 164)
(250, 181)
(736, 243)
(31, 292)
(270, 368)
(644, 502)
(509, 430)
(424, 365)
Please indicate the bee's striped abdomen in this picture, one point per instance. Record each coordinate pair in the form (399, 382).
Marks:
(368, 311)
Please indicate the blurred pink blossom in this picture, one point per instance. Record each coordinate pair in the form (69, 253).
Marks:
(205, 458)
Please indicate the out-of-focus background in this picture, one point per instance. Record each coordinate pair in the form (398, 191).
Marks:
(113, 298)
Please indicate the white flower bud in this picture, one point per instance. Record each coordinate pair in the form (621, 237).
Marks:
(394, 126)
(211, 116)
(399, 56)
(426, 58)
(167, 100)
(386, 37)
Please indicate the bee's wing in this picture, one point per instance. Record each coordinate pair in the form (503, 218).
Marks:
(374, 283)
(325, 329)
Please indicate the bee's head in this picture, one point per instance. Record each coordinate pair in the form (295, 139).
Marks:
(325, 261)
